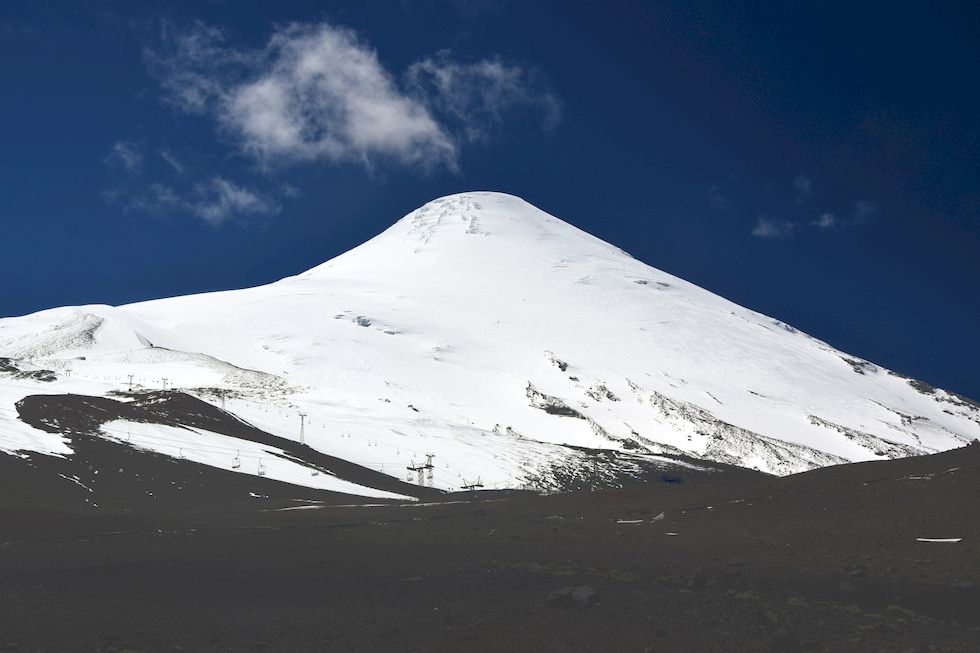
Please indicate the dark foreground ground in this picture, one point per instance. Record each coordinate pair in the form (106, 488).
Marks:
(824, 561)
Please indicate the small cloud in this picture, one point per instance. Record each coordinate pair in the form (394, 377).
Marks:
(804, 188)
(863, 210)
(831, 222)
(127, 155)
(773, 229)
(825, 222)
(171, 159)
(219, 199)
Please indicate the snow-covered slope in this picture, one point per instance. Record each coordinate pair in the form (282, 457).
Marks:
(487, 332)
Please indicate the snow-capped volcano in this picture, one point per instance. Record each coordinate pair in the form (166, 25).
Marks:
(482, 330)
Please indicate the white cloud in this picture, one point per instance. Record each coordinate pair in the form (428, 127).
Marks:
(126, 154)
(773, 229)
(804, 188)
(320, 93)
(323, 94)
(825, 222)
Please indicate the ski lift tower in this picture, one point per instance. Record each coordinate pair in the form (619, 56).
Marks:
(419, 470)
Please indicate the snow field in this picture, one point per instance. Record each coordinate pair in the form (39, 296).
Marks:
(425, 339)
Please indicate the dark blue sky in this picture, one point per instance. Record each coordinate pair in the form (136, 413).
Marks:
(816, 162)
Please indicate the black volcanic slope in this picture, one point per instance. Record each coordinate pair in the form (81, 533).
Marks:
(122, 477)
(829, 560)
(107, 474)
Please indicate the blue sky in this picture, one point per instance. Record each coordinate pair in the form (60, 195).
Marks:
(816, 162)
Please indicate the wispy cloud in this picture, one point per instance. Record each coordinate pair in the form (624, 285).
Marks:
(773, 229)
(804, 188)
(795, 222)
(149, 198)
(720, 195)
(189, 64)
(219, 199)
(13, 29)
(863, 209)
(717, 199)
(288, 190)
(214, 201)
(478, 96)
(826, 222)
(171, 159)
(126, 154)
(318, 92)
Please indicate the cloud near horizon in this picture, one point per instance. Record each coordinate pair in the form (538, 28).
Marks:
(318, 92)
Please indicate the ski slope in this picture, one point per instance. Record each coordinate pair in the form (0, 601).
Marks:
(482, 330)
